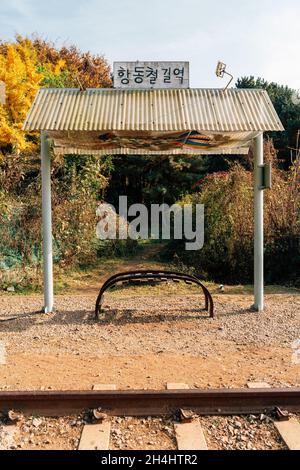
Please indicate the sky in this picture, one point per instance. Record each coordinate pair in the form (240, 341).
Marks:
(253, 37)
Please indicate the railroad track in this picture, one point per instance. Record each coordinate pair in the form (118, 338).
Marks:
(187, 405)
(153, 403)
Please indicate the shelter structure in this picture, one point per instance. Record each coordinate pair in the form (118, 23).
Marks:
(152, 121)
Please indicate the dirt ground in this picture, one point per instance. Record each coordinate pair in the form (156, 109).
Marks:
(146, 338)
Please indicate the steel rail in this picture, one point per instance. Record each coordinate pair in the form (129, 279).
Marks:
(152, 275)
(152, 403)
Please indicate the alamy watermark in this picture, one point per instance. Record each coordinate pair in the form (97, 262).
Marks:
(161, 222)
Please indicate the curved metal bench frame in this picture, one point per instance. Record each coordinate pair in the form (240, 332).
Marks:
(148, 276)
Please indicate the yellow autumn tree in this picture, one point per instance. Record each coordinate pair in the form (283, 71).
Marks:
(22, 79)
(25, 65)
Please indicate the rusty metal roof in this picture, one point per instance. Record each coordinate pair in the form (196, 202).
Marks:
(232, 110)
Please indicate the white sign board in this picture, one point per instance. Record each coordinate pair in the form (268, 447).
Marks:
(138, 75)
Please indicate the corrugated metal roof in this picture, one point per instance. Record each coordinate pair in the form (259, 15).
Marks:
(232, 110)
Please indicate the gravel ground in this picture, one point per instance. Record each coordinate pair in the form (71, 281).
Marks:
(241, 433)
(146, 340)
(221, 433)
(40, 433)
(175, 321)
(142, 433)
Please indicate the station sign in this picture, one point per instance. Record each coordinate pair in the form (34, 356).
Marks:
(143, 75)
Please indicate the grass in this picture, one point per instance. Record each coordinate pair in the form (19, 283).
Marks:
(89, 278)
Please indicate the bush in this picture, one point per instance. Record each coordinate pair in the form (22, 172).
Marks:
(227, 255)
(77, 183)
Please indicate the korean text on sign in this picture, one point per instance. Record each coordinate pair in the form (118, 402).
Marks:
(151, 75)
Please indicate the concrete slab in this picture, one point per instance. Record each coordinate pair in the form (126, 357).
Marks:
(177, 386)
(190, 436)
(290, 432)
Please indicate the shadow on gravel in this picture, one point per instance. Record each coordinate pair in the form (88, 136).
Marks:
(121, 316)
(125, 316)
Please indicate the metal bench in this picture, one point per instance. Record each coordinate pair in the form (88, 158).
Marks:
(153, 276)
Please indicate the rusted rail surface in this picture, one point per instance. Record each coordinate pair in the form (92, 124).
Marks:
(152, 403)
(153, 275)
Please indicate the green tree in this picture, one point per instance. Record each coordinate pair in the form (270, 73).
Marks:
(154, 178)
(287, 104)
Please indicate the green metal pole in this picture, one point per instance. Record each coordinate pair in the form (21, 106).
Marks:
(47, 224)
(258, 225)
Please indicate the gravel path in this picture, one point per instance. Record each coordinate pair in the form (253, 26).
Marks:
(145, 340)
(175, 322)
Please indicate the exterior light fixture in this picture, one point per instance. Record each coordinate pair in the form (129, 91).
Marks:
(221, 71)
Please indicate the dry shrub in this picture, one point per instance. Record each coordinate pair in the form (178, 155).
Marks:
(77, 183)
(89, 70)
(227, 255)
